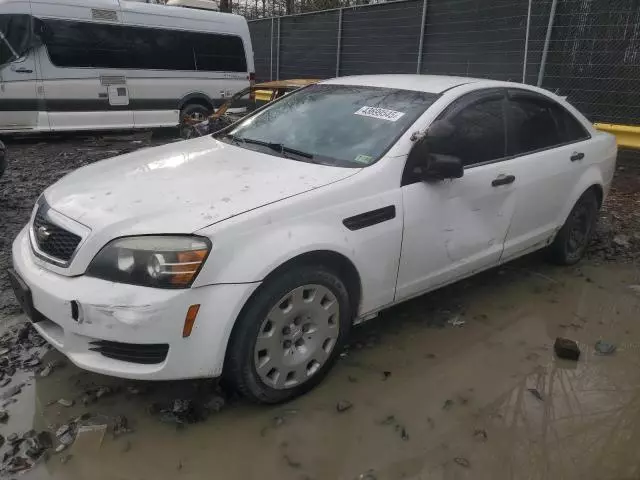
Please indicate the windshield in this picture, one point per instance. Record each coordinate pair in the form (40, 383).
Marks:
(333, 124)
(15, 32)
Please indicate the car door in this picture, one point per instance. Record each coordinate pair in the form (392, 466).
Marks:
(453, 228)
(544, 139)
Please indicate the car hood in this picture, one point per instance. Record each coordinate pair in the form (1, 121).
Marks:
(182, 187)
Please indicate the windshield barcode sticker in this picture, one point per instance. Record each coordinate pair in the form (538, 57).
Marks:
(380, 113)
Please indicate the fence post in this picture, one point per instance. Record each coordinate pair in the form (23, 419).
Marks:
(339, 47)
(271, 60)
(526, 45)
(547, 40)
(278, 51)
(421, 41)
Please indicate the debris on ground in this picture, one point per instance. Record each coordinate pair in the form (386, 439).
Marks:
(343, 406)
(480, 434)
(456, 321)
(567, 349)
(403, 432)
(463, 462)
(604, 348)
(65, 435)
(121, 426)
(370, 475)
(292, 463)
(386, 374)
(448, 403)
(14, 390)
(64, 459)
(65, 403)
(536, 393)
(89, 438)
(4, 416)
(621, 241)
(389, 420)
(50, 367)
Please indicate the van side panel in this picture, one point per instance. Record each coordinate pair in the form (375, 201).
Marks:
(82, 97)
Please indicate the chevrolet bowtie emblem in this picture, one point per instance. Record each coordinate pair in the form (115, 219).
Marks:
(42, 234)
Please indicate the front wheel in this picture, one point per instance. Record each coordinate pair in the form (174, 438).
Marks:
(289, 336)
(573, 238)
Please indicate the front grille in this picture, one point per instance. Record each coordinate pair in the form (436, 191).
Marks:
(56, 241)
(132, 352)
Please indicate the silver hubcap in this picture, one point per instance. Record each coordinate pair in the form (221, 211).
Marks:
(297, 336)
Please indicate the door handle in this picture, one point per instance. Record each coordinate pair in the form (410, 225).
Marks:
(23, 70)
(503, 180)
(577, 156)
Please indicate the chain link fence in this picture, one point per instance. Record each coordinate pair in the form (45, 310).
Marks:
(588, 50)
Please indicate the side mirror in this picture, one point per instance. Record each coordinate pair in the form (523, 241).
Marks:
(431, 165)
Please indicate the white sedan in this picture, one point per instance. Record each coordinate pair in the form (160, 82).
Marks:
(252, 253)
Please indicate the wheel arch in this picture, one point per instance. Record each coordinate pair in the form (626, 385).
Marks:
(337, 262)
(197, 98)
(591, 180)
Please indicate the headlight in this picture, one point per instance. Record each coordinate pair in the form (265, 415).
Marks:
(151, 261)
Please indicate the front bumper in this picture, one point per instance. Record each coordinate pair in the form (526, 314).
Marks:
(110, 312)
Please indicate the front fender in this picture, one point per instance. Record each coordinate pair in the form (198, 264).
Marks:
(252, 255)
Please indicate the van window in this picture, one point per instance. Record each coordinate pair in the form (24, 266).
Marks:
(84, 44)
(15, 33)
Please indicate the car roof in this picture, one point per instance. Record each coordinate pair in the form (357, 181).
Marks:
(421, 83)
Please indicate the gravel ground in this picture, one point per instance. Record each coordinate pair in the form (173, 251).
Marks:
(34, 164)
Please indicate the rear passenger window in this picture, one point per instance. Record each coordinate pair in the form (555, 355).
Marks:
(536, 123)
(478, 136)
(96, 45)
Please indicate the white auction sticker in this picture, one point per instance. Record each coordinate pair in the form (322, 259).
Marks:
(381, 113)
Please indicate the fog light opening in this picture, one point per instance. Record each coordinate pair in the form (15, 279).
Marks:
(189, 320)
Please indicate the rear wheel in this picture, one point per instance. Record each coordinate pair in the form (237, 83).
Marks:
(573, 238)
(191, 114)
(289, 335)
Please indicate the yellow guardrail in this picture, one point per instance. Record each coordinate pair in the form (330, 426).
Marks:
(626, 135)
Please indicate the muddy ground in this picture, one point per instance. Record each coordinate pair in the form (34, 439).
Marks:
(462, 383)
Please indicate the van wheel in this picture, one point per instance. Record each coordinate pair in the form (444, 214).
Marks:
(191, 114)
(290, 335)
(573, 238)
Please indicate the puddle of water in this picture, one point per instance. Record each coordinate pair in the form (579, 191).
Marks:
(455, 403)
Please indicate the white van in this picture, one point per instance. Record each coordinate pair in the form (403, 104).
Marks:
(109, 64)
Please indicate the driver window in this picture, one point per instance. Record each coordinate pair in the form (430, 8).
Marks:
(479, 133)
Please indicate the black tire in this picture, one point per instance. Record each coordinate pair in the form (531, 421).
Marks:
(192, 110)
(240, 369)
(573, 238)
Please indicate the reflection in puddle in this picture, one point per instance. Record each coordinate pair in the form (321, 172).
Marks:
(486, 400)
